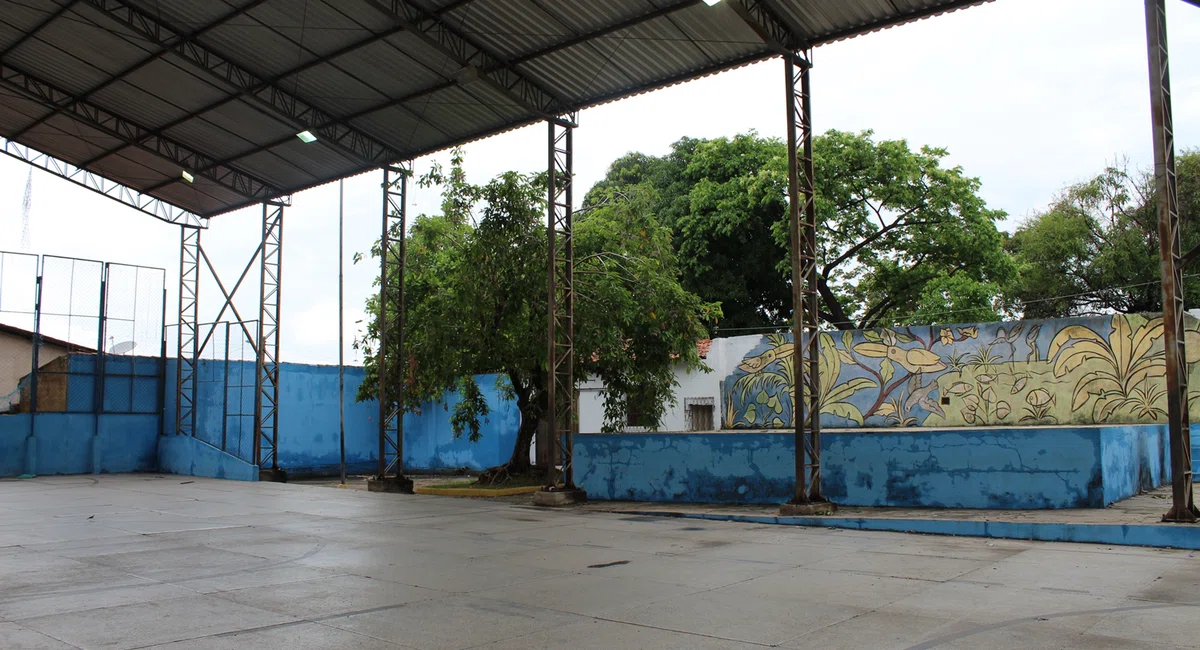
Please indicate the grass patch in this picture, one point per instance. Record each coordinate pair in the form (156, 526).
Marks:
(520, 480)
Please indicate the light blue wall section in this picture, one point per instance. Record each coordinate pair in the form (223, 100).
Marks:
(429, 441)
(1060, 467)
(963, 468)
(192, 457)
(1136, 458)
(308, 421)
(124, 438)
(702, 468)
(65, 443)
(127, 443)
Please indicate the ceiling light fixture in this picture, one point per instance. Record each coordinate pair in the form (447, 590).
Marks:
(188, 177)
(306, 137)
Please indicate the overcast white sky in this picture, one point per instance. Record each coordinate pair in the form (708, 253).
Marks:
(1027, 95)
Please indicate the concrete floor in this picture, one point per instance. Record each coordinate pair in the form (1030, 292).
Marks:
(141, 561)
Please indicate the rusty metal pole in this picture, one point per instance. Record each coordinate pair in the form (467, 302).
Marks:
(560, 330)
(794, 207)
(390, 476)
(802, 219)
(1183, 509)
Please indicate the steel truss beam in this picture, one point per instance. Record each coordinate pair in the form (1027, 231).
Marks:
(27, 36)
(806, 379)
(135, 134)
(187, 352)
(399, 102)
(476, 62)
(123, 194)
(560, 336)
(1183, 509)
(191, 36)
(759, 16)
(266, 382)
(392, 380)
(303, 115)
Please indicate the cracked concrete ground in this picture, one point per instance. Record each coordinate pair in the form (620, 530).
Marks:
(143, 561)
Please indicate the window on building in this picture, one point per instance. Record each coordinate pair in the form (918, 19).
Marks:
(699, 412)
(635, 418)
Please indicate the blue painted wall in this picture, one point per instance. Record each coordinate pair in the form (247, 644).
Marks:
(189, 456)
(14, 430)
(66, 443)
(308, 421)
(1065, 467)
(1136, 458)
(122, 438)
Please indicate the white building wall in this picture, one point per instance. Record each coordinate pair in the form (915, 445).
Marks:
(723, 356)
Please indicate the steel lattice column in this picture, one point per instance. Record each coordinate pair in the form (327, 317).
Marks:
(266, 396)
(392, 380)
(1182, 507)
(189, 299)
(560, 335)
(806, 378)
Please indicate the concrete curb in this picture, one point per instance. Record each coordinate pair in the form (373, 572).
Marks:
(476, 492)
(1181, 536)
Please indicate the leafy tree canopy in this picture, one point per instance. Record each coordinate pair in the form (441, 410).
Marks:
(475, 291)
(1095, 249)
(902, 239)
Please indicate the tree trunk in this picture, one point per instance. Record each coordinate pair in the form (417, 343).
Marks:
(518, 463)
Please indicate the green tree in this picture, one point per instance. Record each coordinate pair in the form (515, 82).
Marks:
(1095, 249)
(901, 239)
(476, 303)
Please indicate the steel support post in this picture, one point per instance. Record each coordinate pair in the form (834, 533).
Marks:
(185, 359)
(806, 378)
(1183, 509)
(266, 380)
(99, 377)
(392, 379)
(560, 333)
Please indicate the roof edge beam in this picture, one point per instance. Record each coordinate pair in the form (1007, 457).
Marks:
(301, 114)
(126, 130)
(901, 19)
(758, 16)
(155, 207)
(489, 68)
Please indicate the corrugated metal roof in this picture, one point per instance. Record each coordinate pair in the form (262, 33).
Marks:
(226, 85)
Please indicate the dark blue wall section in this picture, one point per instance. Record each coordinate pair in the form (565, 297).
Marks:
(1060, 467)
(14, 430)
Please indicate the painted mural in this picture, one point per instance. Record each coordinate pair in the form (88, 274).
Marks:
(1106, 369)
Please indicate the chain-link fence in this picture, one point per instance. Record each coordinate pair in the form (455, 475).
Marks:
(222, 410)
(80, 336)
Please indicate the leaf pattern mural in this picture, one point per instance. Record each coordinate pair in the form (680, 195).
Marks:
(1071, 371)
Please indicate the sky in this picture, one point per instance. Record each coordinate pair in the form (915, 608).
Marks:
(1026, 95)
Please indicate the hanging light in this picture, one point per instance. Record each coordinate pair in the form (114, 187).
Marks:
(188, 177)
(306, 137)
